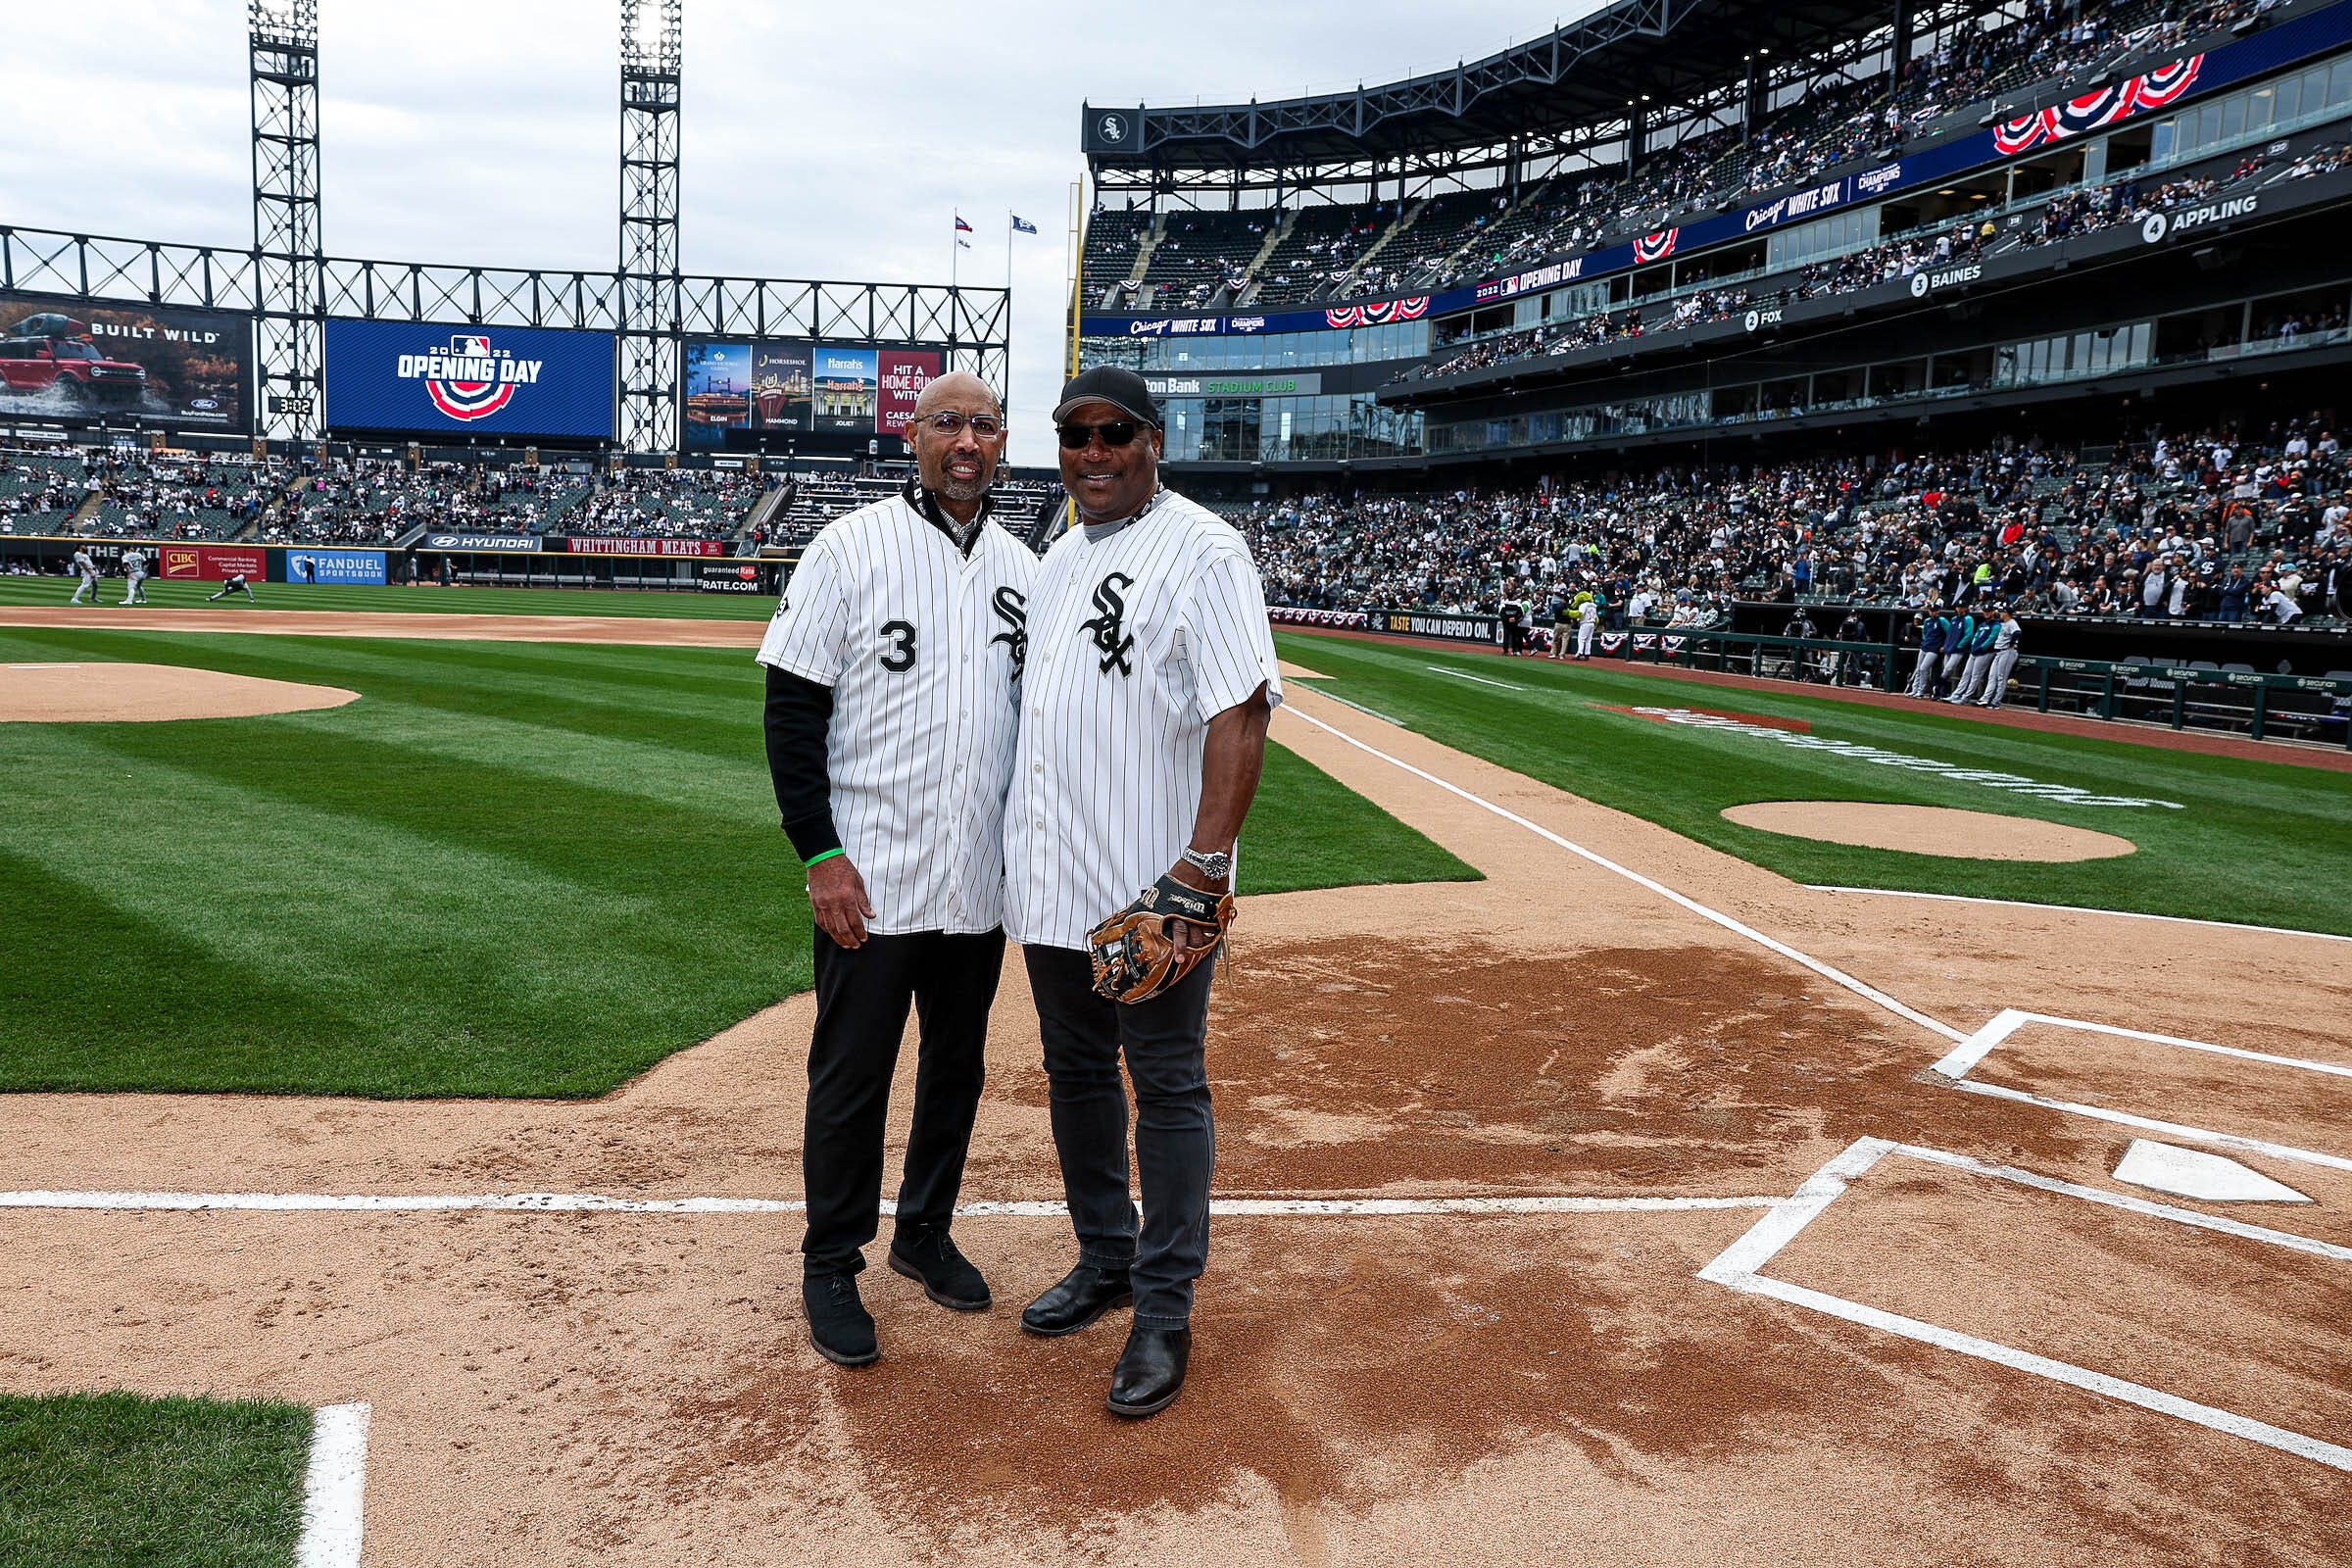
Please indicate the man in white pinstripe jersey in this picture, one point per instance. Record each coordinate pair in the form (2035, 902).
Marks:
(894, 669)
(1142, 726)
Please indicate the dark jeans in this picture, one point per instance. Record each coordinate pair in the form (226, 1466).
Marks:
(862, 999)
(1165, 1041)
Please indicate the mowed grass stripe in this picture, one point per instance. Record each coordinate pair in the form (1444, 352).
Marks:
(495, 874)
(706, 702)
(469, 968)
(427, 599)
(2258, 842)
(125, 1482)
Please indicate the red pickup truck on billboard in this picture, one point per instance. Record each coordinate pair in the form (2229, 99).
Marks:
(52, 353)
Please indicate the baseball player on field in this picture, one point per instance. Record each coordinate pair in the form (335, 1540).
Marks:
(2005, 651)
(135, 572)
(1142, 727)
(1979, 668)
(893, 665)
(236, 583)
(86, 565)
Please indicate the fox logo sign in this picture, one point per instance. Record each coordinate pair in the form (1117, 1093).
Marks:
(469, 379)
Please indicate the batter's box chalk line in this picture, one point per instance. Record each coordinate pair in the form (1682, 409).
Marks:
(334, 1488)
(1965, 1057)
(1739, 1267)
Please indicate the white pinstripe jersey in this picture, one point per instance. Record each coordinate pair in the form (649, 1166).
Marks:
(1136, 642)
(923, 649)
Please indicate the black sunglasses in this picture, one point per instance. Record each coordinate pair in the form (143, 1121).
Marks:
(1114, 433)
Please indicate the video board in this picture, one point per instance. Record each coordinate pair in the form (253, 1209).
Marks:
(73, 360)
(449, 379)
(736, 390)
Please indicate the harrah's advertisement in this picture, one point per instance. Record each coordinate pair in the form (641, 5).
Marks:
(456, 380)
(904, 374)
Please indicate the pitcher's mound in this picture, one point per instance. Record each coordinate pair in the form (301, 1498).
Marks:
(1930, 831)
(115, 693)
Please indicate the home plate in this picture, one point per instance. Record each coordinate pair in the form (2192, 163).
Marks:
(2193, 1173)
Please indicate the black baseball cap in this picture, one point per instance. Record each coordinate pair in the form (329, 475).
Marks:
(1121, 388)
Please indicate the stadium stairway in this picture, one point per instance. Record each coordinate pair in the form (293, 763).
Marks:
(1274, 237)
(1143, 256)
(769, 504)
(1348, 285)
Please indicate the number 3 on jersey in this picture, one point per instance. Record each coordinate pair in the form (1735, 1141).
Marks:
(901, 656)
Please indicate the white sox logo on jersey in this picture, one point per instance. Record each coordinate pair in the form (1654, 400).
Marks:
(1011, 609)
(1111, 626)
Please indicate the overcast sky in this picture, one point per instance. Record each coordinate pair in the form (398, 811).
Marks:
(821, 140)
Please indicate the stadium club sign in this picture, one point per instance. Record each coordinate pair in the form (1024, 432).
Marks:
(1304, 383)
(2160, 88)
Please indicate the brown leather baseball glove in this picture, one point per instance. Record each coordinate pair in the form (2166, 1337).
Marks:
(1134, 960)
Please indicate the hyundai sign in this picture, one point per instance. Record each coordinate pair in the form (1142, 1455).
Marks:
(454, 380)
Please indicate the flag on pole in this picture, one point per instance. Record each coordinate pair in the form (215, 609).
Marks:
(964, 244)
(963, 228)
(1021, 225)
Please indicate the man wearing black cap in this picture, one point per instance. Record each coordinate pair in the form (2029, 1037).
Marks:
(1142, 725)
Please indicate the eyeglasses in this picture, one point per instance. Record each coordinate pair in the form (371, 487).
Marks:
(1114, 433)
(987, 426)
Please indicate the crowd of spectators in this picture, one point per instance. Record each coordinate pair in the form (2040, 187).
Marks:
(2216, 525)
(668, 504)
(366, 501)
(123, 493)
(2066, 216)
(1836, 121)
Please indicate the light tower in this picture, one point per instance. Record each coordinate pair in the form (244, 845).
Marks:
(282, 43)
(650, 51)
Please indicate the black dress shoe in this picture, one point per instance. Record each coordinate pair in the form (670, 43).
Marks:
(945, 1274)
(1084, 1295)
(1151, 1370)
(839, 1325)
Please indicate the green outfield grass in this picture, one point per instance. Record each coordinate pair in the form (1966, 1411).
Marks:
(113, 1481)
(2266, 843)
(54, 592)
(525, 870)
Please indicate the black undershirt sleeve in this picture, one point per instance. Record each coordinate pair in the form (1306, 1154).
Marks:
(799, 710)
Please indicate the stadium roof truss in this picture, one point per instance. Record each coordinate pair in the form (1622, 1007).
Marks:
(1561, 101)
(971, 322)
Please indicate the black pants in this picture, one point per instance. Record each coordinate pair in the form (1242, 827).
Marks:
(1165, 1041)
(861, 1000)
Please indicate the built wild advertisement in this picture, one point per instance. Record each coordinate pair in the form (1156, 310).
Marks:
(81, 361)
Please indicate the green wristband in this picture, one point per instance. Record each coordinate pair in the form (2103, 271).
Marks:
(827, 856)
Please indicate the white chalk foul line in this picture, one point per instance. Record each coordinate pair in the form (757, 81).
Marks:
(2076, 909)
(1739, 1266)
(1463, 674)
(1041, 1208)
(1834, 975)
(334, 1488)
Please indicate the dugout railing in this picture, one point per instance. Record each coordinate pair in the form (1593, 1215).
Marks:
(2306, 708)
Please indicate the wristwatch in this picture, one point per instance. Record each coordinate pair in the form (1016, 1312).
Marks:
(1217, 867)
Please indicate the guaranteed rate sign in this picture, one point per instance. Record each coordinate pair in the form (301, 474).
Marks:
(423, 378)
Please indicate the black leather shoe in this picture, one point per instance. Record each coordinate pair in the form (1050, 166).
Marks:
(839, 1325)
(1151, 1370)
(945, 1274)
(1084, 1295)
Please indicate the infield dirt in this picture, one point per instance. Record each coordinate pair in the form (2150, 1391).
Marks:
(1554, 1388)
